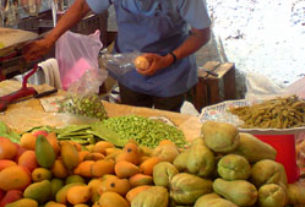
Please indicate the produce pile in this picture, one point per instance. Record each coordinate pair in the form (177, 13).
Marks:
(144, 131)
(224, 168)
(118, 130)
(275, 113)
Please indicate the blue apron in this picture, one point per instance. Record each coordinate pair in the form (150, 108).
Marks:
(156, 30)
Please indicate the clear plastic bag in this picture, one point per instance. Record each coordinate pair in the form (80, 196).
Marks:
(120, 63)
(83, 99)
(77, 53)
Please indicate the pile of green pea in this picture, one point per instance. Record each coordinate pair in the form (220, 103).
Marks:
(145, 131)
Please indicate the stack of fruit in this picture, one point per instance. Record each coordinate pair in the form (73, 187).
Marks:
(224, 168)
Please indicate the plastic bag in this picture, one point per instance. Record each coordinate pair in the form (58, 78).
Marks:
(298, 88)
(120, 63)
(260, 87)
(83, 99)
(77, 53)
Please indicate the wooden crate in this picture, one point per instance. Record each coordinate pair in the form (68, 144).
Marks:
(210, 89)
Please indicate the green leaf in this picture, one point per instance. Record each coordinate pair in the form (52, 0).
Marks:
(5, 131)
(101, 131)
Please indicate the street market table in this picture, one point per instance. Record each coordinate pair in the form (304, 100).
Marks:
(29, 113)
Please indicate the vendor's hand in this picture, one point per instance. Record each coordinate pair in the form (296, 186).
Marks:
(156, 63)
(37, 49)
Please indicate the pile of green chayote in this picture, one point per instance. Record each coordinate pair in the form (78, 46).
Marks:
(144, 131)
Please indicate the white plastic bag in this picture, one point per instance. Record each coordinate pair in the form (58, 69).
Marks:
(77, 53)
(260, 87)
(297, 88)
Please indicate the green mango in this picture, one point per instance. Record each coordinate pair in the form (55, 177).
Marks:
(40, 174)
(61, 195)
(39, 191)
(24, 202)
(240, 192)
(56, 185)
(69, 155)
(74, 179)
(45, 154)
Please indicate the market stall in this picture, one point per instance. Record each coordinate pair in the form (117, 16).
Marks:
(65, 171)
(62, 145)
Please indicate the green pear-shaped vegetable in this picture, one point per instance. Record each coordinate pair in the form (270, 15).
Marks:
(296, 194)
(155, 196)
(180, 161)
(254, 149)
(213, 200)
(272, 195)
(163, 173)
(167, 152)
(219, 136)
(267, 172)
(234, 167)
(201, 160)
(240, 192)
(186, 188)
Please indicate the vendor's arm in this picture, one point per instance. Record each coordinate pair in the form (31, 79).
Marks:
(76, 12)
(195, 13)
(41, 47)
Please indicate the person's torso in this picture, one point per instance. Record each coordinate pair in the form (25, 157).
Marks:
(154, 26)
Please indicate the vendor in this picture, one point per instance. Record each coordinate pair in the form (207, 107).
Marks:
(169, 32)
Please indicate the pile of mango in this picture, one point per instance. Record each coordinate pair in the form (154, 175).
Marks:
(223, 168)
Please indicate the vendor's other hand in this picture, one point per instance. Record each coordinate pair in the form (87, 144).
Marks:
(156, 63)
(36, 50)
